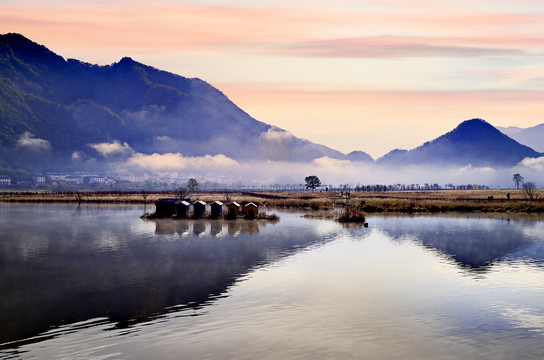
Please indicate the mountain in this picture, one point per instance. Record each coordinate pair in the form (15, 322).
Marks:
(359, 156)
(57, 113)
(474, 142)
(511, 130)
(531, 137)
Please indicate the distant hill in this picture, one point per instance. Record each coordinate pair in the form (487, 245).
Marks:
(55, 113)
(474, 142)
(359, 156)
(532, 137)
(510, 130)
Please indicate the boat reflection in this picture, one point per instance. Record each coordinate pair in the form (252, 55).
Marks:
(215, 228)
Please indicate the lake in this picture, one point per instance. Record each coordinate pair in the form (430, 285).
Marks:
(98, 282)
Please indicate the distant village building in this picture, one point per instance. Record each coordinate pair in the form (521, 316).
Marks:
(99, 180)
(216, 208)
(250, 210)
(5, 180)
(199, 208)
(56, 178)
(233, 209)
(39, 179)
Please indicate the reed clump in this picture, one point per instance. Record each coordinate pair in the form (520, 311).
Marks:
(352, 215)
(268, 217)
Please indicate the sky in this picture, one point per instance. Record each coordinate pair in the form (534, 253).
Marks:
(370, 75)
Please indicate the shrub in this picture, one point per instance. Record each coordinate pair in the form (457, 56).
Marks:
(352, 215)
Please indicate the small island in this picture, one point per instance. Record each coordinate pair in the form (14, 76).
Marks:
(186, 209)
(353, 215)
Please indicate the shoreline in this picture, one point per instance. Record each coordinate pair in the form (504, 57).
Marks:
(369, 202)
(261, 216)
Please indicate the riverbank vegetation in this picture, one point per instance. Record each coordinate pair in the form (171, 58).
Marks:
(352, 215)
(368, 202)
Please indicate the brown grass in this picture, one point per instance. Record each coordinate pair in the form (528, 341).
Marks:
(352, 215)
(397, 201)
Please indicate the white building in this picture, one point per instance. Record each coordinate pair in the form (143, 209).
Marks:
(39, 179)
(5, 180)
(98, 180)
(101, 180)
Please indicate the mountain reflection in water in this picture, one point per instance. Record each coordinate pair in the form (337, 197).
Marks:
(62, 266)
(473, 242)
(102, 283)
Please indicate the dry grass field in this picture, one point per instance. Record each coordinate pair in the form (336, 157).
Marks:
(419, 201)
(394, 201)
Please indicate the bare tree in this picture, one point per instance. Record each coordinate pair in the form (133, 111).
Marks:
(518, 179)
(184, 191)
(79, 197)
(144, 195)
(227, 195)
(192, 185)
(529, 188)
(181, 192)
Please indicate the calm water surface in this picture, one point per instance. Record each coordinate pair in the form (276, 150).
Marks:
(97, 282)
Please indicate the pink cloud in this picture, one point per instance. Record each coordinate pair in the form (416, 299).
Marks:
(170, 27)
(379, 121)
(274, 92)
(376, 29)
(388, 47)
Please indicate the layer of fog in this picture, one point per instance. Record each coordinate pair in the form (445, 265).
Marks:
(330, 171)
(121, 158)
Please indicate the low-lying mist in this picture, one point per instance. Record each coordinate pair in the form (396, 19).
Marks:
(226, 170)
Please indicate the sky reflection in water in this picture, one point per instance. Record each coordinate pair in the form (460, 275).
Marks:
(406, 287)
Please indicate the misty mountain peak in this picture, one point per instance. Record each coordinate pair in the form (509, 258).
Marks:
(475, 125)
(359, 156)
(472, 130)
(475, 122)
(72, 106)
(14, 38)
(473, 142)
(126, 61)
(25, 49)
(17, 40)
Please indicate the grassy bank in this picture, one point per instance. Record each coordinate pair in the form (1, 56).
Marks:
(445, 205)
(418, 201)
(400, 201)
